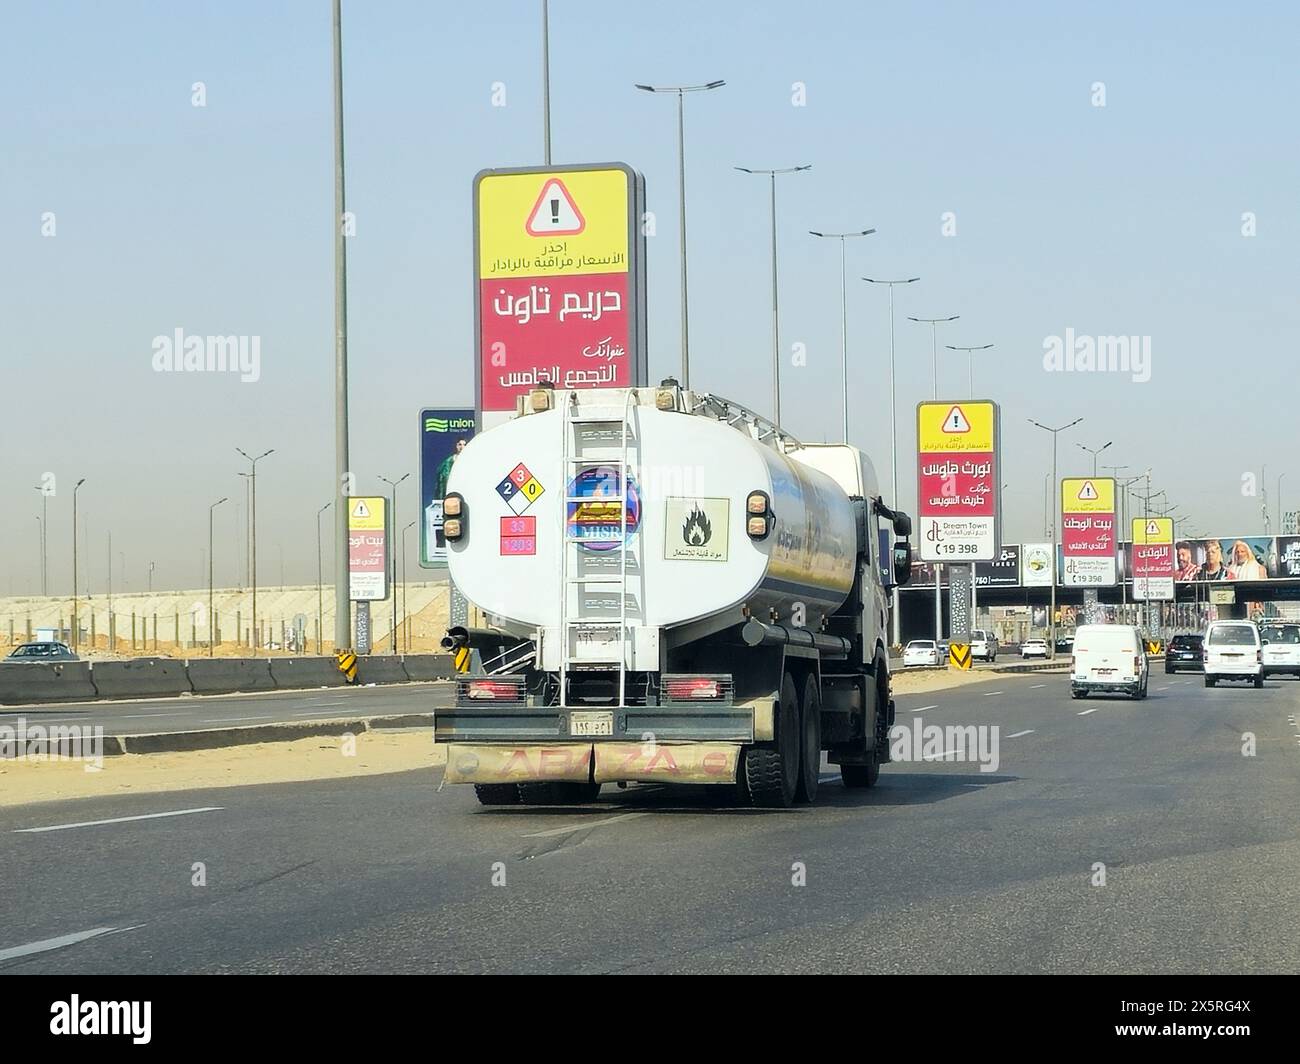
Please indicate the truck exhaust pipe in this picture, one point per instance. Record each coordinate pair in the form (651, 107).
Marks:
(755, 633)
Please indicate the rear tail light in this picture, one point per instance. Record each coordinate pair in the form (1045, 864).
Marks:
(696, 688)
(1137, 662)
(455, 515)
(1259, 657)
(493, 691)
(760, 520)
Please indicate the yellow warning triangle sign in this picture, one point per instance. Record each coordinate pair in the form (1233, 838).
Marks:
(555, 213)
(1153, 528)
(955, 421)
(361, 509)
(1087, 492)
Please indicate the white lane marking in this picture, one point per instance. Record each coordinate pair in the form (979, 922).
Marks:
(936, 757)
(1085, 712)
(1032, 686)
(922, 709)
(118, 820)
(47, 944)
(583, 826)
(224, 720)
(135, 716)
(1017, 735)
(340, 702)
(990, 694)
(1165, 688)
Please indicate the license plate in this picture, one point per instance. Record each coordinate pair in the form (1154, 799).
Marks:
(1104, 672)
(591, 723)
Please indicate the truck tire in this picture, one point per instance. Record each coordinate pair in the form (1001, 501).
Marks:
(771, 771)
(497, 793)
(1259, 681)
(1210, 681)
(856, 777)
(810, 740)
(559, 793)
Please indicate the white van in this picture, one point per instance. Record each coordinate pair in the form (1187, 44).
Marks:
(1233, 651)
(1108, 657)
(1281, 648)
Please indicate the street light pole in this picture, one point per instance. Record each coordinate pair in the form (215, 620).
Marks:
(406, 619)
(253, 535)
(1051, 616)
(45, 524)
(75, 603)
(934, 323)
(970, 368)
(893, 431)
(342, 473)
(393, 586)
(681, 91)
(844, 316)
(1094, 451)
(776, 316)
(546, 80)
(212, 613)
(320, 598)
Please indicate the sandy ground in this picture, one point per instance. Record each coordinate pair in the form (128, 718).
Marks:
(914, 681)
(323, 757)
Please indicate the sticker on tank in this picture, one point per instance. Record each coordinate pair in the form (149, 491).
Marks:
(595, 517)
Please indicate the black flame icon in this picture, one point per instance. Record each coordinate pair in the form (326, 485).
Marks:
(697, 531)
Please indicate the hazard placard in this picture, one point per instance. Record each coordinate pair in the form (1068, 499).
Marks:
(1088, 534)
(959, 507)
(560, 282)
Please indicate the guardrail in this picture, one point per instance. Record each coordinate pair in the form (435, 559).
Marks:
(86, 681)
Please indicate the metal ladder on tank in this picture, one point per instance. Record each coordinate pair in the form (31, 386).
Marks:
(582, 430)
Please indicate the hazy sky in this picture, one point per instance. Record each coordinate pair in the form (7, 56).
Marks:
(1125, 219)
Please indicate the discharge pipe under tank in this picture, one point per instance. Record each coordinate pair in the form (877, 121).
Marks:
(755, 633)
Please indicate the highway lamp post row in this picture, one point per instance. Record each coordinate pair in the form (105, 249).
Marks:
(212, 613)
(897, 636)
(844, 317)
(406, 617)
(1051, 612)
(970, 394)
(254, 637)
(392, 590)
(681, 91)
(934, 324)
(1094, 451)
(776, 314)
(342, 474)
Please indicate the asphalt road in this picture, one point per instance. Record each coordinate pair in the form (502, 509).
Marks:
(201, 712)
(941, 868)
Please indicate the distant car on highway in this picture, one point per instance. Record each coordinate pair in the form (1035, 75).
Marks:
(920, 652)
(983, 645)
(1033, 648)
(46, 651)
(1185, 652)
(1233, 651)
(1065, 644)
(1281, 643)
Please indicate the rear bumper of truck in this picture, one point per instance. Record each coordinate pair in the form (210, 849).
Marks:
(673, 743)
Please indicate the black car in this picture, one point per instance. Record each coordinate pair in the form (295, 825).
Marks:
(1185, 652)
(42, 652)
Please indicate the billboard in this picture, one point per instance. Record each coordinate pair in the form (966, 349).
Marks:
(1088, 539)
(1153, 558)
(958, 497)
(1036, 565)
(559, 272)
(367, 548)
(444, 431)
(1003, 572)
(1288, 556)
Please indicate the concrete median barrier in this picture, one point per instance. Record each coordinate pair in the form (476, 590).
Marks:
(140, 678)
(219, 738)
(224, 676)
(306, 672)
(428, 666)
(41, 682)
(381, 669)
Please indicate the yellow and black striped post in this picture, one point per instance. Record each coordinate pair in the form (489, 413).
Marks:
(959, 655)
(460, 659)
(347, 660)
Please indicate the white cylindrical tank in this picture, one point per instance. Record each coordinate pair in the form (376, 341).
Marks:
(689, 554)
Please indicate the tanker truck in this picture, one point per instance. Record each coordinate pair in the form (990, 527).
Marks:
(675, 591)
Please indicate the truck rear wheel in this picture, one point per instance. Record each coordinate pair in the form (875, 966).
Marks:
(859, 776)
(810, 755)
(497, 793)
(771, 771)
